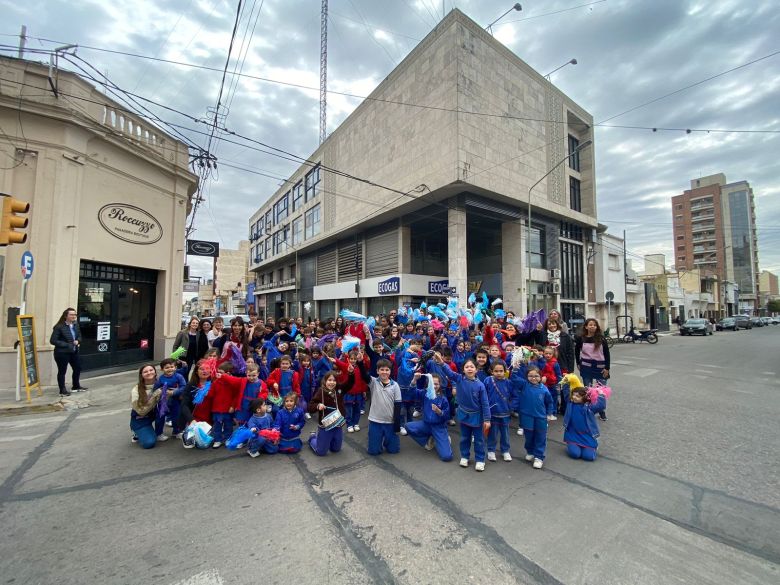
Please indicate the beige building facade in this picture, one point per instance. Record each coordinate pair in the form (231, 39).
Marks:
(108, 195)
(452, 140)
(232, 277)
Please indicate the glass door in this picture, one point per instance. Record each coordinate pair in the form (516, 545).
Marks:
(132, 326)
(95, 321)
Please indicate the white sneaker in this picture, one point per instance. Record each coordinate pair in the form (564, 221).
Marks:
(162, 438)
(491, 456)
(552, 417)
(189, 445)
(507, 457)
(451, 422)
(307, 416)
(538, 463)
(177, 435)
(520, 432)
(134, 439)
(480, 466)
(350, 429)
(362, 411)
(430, 444)
(357, 428)
(464, 462)
(253, 454)
(216, 445)
(416, 414)
(404, 431)
(529, 457)
(168, 423)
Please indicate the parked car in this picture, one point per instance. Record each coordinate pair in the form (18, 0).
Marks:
(766, 320)
(743, 322)
(697, 326)
(756, 321)
(726, 323)
(775, 320)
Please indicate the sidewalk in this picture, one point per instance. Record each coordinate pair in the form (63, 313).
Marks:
(114, 387)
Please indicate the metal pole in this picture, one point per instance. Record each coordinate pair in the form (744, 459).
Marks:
(22, 309)
(22, 45)
(625, 278)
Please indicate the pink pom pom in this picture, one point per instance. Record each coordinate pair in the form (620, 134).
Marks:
(437, 325)
(593, 392)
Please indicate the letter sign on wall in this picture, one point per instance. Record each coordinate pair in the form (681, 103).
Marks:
(391, 286)
(130, 224)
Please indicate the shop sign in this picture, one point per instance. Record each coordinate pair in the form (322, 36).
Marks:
(130, 224)
(391, 286)
(203, 248)
(104, 330)
(438, 287)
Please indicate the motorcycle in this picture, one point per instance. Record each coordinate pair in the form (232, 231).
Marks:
(647, 335)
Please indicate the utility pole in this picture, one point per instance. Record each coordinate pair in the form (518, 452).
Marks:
(22, 41)
(625, 279)
(323, 71)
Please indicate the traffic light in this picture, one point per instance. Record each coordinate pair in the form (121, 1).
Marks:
(12, 222)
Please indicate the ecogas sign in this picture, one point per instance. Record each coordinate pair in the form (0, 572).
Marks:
(391, 286)
(130, 224)
(438, 287)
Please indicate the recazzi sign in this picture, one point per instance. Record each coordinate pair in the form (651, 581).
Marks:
(130, 224)
(391, 286)
(203, 248)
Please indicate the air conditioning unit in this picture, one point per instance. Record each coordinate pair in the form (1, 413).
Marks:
(257, 260)
(555, 288)
(555, 273)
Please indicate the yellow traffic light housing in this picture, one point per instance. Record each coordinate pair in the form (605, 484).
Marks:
(12, 222)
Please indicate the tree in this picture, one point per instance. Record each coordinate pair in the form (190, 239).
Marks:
(773, 306)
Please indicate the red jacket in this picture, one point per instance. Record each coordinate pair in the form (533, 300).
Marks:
(275, 377)
(360, 386)
(225, 391)
(262, 393)
(548, 371)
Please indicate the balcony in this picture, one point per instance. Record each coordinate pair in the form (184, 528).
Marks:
(701, 204)
(703, 227)
(702, 217)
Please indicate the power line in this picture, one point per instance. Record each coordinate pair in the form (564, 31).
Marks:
(454, 110)
(549, 13)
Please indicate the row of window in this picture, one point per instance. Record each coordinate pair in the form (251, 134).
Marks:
(302, 193)
(575, 196)
(302, 228)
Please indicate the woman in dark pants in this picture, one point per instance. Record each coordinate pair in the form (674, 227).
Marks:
(194, 340)
(66, 339)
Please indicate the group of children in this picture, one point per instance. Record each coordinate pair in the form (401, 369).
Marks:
(418, 388)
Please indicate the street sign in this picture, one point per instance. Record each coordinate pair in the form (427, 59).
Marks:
(610, 296)
(203, 248)
(27, 265)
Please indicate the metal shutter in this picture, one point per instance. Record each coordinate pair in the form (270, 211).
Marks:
(326, 267)
(382, 254)
(347, 269)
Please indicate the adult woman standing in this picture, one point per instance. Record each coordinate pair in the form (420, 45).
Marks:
(194, 340)
(553, 336)
(147, 428)
(592, 354)
(66, 339)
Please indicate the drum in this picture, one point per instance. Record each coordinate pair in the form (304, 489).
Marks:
(333, 420)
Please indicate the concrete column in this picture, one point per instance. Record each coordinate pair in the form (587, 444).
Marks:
(404, 249)
(513, 265)
(456, 253)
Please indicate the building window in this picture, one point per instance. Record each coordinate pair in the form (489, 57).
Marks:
(614, 262)
(269, 222)
(678, 218)
(572, 278)
(282, 208)
(681, 258)
(575, 199)
(280, 272)
(574, 160)
(297, 231)
(571, 231)
(678, 206)
(267, 248)
(313, 224)
(313, 183)
(680, 237)
(281, 240)
(259, 253)
(538, 248)
(297, 196)
(292, 270)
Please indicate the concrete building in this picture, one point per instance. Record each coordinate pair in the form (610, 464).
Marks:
(109, 195)
(715, 229)
(618, 292)
(457, 134)
(768, 285)
(232, 277)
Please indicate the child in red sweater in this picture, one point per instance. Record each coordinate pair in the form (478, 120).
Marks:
(225, 391)
(355, 399)
(551, 375)
(281, 382)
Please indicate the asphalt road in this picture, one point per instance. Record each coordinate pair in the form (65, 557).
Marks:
(685, 490)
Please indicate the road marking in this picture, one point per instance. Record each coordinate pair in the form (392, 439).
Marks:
(623, 363)
(210, 577)
(769, 373)
(700, 377)
(641, 372)
(636, 357)
(742, 391)
(104, 413)
(704, 371)
(20, 438)
(708, 365)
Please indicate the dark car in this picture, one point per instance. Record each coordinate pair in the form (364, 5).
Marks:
(743, 322)
(696, 326)
(756, 322)
(727, 323)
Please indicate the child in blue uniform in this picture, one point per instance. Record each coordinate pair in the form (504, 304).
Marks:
(473, 410)
(581, 430)
(308, 379)
(406, 359)
(259, 421)
(431, 431)
(289, 422)
(502, 394)
(173, 383)
(534, 403)
(254, 388)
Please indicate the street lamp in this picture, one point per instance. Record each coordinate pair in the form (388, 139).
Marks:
(489, 27)
(569, 62)
(528, 226)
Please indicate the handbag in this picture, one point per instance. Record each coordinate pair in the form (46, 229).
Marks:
(334, 419)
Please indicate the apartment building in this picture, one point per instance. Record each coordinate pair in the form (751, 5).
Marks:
(423, 192)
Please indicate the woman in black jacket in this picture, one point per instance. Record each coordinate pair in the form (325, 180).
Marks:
(66, 339)
(194, 340)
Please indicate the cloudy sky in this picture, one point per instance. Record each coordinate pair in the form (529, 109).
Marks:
(629, 52)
